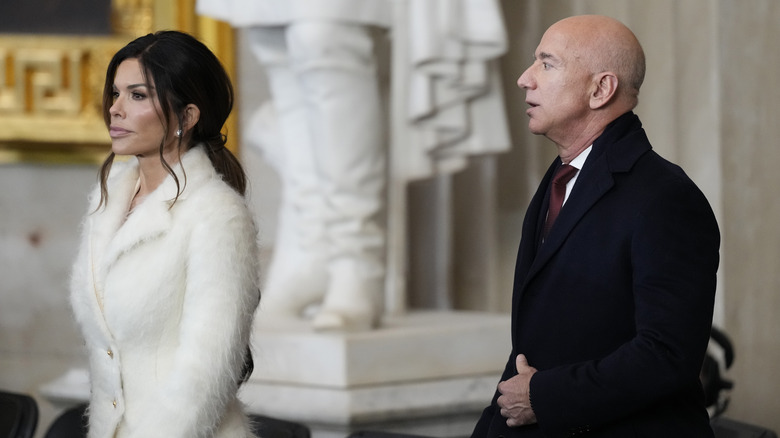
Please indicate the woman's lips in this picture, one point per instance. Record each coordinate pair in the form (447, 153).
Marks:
(115, 131)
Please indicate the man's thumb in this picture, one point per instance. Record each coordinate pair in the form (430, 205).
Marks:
(521, 361)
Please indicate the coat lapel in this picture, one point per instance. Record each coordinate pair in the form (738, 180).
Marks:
(592, 183)
(102, 225)
(106, 221)
(152, 218)
(616, 150)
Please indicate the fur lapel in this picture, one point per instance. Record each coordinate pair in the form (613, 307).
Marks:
(105, 222)
(152, 218)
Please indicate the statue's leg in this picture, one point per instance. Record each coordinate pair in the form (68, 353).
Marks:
(297, 275)
(336, 66)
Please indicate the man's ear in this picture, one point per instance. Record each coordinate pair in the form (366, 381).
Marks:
(604, 89)
(191, 115)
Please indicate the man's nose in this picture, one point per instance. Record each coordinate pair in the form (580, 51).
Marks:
(525, 81)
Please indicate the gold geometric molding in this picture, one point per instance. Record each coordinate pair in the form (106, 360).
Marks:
(51, 85)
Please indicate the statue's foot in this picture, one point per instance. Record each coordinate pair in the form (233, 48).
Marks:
(341, 321)
(295, 282)
(353, 300)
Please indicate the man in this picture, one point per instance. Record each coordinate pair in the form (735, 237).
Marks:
(613, 302)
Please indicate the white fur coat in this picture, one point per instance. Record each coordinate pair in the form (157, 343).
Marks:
(165, 301)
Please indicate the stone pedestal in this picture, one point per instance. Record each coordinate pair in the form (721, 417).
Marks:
(418, 365)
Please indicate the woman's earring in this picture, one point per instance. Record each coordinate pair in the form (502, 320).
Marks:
(178, 132)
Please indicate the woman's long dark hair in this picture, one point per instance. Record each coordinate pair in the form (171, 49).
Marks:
(184, 71)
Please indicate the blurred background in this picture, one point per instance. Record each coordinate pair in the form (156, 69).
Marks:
(710, 102)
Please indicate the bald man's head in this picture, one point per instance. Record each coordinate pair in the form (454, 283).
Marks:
(604, 44)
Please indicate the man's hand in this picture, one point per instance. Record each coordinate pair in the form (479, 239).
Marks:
(515, 401)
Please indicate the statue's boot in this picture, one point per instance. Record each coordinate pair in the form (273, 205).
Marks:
(336, 67)
(297, 275)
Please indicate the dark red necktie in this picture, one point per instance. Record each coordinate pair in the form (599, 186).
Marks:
(557, 193)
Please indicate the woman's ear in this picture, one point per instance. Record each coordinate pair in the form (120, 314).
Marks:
(604, 90)
(191, 115)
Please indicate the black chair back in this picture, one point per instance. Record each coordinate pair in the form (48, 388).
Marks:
(277, 428)
(380, 434)
(72, 423)
(18, 415)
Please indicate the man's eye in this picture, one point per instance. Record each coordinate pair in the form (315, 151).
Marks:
(545, 66)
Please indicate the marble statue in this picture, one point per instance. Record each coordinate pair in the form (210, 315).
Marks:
(329, 260)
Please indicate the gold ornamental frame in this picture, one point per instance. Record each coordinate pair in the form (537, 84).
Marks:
(51, 85)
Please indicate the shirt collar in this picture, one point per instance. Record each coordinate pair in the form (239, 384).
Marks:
(579, 160)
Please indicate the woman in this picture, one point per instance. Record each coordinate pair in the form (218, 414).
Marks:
(165, 285)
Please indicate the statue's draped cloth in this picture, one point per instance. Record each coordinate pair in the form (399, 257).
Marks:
(450, 86)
